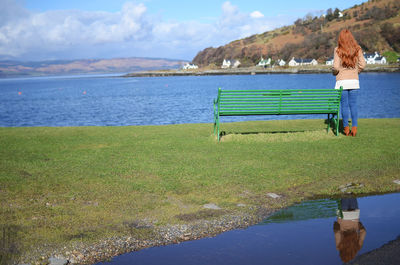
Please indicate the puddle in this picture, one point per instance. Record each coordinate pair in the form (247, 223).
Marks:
(314, 232)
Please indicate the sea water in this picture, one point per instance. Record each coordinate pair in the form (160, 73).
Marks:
(116, 101)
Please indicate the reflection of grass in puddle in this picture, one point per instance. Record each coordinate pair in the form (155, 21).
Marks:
(9, 246)
(314, 209)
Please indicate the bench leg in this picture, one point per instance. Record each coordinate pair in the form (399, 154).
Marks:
(337, 124)
(215, 118)
(215, 125)
(329, 124)
(218, 129)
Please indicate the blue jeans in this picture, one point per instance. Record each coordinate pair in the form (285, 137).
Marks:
(349, 101)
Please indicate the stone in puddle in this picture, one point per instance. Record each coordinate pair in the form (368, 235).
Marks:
(273, 195)
(211, 206)
(397, 181)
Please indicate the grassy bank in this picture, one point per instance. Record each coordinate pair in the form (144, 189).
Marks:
(67, 184)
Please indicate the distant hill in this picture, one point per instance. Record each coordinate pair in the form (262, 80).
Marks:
(59, 67)
(375, 24)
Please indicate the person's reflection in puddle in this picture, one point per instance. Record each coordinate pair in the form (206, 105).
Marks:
(349, 231)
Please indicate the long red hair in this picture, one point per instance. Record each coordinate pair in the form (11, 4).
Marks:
(348, 49)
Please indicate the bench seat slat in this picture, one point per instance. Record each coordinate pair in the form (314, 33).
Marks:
(275, 105)
(279, 110)
(251, 113)
(260, 102)
(277, 97)
(277, 91)
(279, 94)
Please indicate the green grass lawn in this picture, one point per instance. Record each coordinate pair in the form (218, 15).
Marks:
(64, 184)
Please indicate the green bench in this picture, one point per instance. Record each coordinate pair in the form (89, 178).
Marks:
(277, 102)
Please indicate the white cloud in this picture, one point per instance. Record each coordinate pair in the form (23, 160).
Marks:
(132, 31)
(257, 14)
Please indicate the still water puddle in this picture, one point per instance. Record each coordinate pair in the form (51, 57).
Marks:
(314, 232)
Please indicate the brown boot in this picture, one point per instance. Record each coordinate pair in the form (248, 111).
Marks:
(353, 131)
(346, 130)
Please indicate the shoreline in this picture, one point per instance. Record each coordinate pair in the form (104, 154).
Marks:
(256, 71)
(106, 249)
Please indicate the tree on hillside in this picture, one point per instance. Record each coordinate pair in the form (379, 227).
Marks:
(391, 56)
(336, 13)
(391, 35)
(367, 38)
(329, 14)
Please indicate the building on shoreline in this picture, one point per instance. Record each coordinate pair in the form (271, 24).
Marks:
(264, 62)
(281, 62)
(269, 62)
(370, 58)
(228, 64)
(301, 62)
(235, 64)
(189, 66)
(374, 58)
(329, 61)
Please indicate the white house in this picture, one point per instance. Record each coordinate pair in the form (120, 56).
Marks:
(309, 62)
(235, 64)
(329, 61)
(374, 58)
(281, 62)
(380, 60)
(226, 64)
(294, 62)
(299, 61)
(188, 66)
(370, 57)
(263, 62)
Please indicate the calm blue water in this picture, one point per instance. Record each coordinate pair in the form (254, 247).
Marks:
(111, 101)
(303, 238)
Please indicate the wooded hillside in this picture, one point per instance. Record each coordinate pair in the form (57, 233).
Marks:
(375, 24)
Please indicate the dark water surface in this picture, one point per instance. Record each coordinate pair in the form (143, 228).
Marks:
(112, 101)
(302, 234)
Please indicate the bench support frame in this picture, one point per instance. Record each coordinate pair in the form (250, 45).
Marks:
(332, 117)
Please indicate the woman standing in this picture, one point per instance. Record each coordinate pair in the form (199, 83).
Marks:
(348, 62)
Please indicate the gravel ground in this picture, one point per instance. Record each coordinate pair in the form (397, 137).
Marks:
(81, 253)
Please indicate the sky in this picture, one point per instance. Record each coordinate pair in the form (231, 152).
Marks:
(35, 30)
